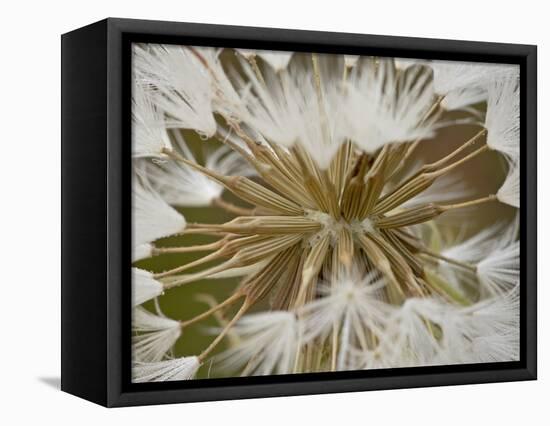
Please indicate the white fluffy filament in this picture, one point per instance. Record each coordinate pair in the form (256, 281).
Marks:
(144, 287)
(153, 335)
(267, 344)
(153, 218)
(183, 368)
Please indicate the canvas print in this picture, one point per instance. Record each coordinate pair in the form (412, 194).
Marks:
(298, 212)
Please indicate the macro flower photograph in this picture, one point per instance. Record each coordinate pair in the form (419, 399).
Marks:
(297, 212)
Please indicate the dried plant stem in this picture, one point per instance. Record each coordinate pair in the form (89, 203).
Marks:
(244, 307)
(320, 97)
(227, 302)
(247, 190)
(412, 147)
(427, 174)
(200, 261)
(188, 249)
(252, 61)
(436, 165)
(232, 208)
(176, 281)
(470, 203)
(234, 146)
(454, 262)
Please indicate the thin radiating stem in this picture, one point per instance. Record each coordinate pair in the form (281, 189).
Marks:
(227, 302)
(232, 208)
(436, 165)
(225, 330)
(470, 203)
(188, 249)
(449, 260)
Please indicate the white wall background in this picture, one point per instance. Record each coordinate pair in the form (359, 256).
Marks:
(30, 211)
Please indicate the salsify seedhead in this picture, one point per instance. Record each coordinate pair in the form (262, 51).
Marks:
(339, 236)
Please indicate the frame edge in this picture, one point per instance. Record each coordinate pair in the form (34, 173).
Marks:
(83, 189)
(118, 397)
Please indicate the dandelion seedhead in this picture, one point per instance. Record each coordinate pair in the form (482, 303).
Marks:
(338, 233)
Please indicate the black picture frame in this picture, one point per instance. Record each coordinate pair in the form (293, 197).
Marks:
(96, 228)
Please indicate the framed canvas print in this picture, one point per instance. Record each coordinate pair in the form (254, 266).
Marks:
(255, 212)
